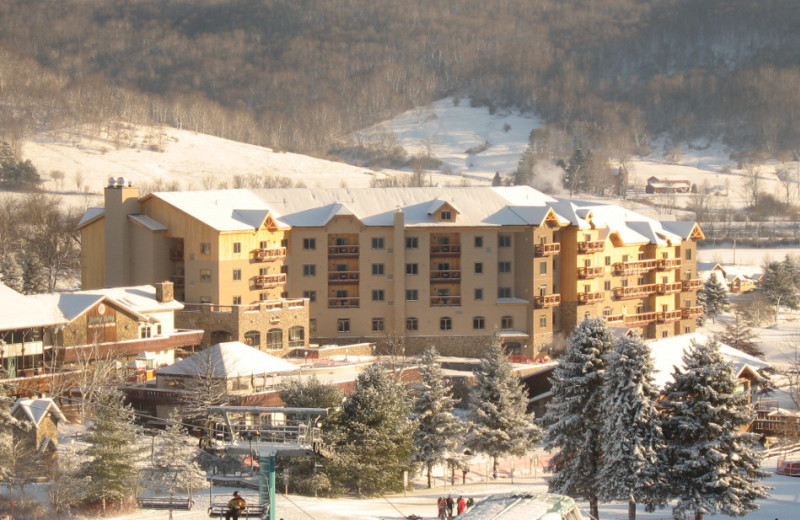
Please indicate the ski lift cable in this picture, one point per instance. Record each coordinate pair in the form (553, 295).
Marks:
(393, 506)
(297, 506)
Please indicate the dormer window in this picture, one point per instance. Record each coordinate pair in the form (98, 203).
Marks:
(446, 214)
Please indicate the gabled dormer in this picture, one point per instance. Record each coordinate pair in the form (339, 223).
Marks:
(443, 211)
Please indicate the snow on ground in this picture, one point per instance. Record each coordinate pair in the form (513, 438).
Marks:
(728, 254)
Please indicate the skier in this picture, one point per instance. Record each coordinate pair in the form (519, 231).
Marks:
(462, 505)
(236, 506)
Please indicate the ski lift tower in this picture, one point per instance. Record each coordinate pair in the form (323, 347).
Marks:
(266, 433)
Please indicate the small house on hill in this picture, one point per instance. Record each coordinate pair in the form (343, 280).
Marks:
(656, 185)
(44, 416)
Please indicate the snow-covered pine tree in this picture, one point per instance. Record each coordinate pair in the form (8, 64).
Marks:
(174, 450)
(439, 433)
(631, 434)
(310, 393)
(204, 389)
(11, 273)
(574, 416)
(114, 452)
(372, 436)
(713, 297)
(500, 425)
(739, 335)
(712, 466)
(19, 462)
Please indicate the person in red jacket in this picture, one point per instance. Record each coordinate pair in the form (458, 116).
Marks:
(462, 505)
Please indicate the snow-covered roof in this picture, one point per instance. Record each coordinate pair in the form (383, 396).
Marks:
(228, 360)
(668, 354)
(23, 312)
(533, 506)
(90, 215)
(150, 223)
(37, 409)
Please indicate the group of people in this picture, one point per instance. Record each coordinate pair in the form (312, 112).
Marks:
(447, 505)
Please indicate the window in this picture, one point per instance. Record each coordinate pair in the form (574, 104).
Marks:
(237, 300)
(309, 243)
(624, 282)
(687, 330)
(506, 322)
(542, 267)
(412, 242)
(504, 292)
(285, 269)
(205, 299)
(664, 334)
(412, 324)
(412, 269)
(504, 267)
(274, 339)
(446, 214)
(478, 241)
(504, 241)
(237, 247)
(377, 269)
(312, 326)
(309, 270)
(263, 245)
(688, 254)
(445, 323)
(607, 311)
(378, 243)
(378, 295)
(263, 296)
(543, 322)
(297, 336)
(607, 285)
(237, 274)
(252, 338)
(478, 323)
(608, 260)
(205, 275)
(377, 324)
(478, 294)
(311, 295)
(263, 271)
(284, 242)
(343, 325)
(641, 256)
(205, 248)
(478, 267)
(412, 295)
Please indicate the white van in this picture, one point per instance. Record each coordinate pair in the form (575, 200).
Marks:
(528, 506)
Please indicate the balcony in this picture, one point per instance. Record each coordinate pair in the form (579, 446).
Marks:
(638, 320)
(639, 267)
(591, 246)
(692, 312)
(343, 251)
(350, 302)
(343, 277)
(176, 255)
(669, 264)
(269, 281)
(178, 280)
(612, 319)
(446, 250)
(591, 272)
(637, 291)
(269, 254)
(547, 249)
(668, 316)
(586, 298)
(445, 301)
(547, 302)
(445, 276)
(669, 288)
(692, 285)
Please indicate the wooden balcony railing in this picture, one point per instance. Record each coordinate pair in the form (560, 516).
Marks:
(447, 275)
(668, 316)
(548, 301)
(636, 320)
(176, 255)
(614, 318)
(445, 301)
(637, 291)
(591, 246)
(591, 272)
(692, 285)
(269, 281)
(446, 250)
(343, 251)
(269, 254)
(638, 267)
(343, 277)
(547, 249)
(350, 302)
(585, 298)
(669, 288)
(692, 312)
(667, 264)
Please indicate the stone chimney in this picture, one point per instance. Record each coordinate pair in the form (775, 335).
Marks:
(165, 292)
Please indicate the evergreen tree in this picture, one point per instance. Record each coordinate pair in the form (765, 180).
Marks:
(372, 436)
(631, 431)
(496, 180)
(712, 466)
(113, 452)
(68, 488)
(713, 297)
(574, 416)
(310, 393)
(739, 336)
(439, 433)
(780, 284)
(576, 178)
(176, 451)
(500, 425)
(19, 461)
(11, 273)
(35, 278)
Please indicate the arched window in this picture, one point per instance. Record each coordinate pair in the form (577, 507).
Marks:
(297, 336)
(274, 339)
(252, 338)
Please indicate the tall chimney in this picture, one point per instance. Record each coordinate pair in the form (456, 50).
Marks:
(121, 200)
(165, 292)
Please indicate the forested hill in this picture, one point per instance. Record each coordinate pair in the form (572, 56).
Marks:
(300, 74)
